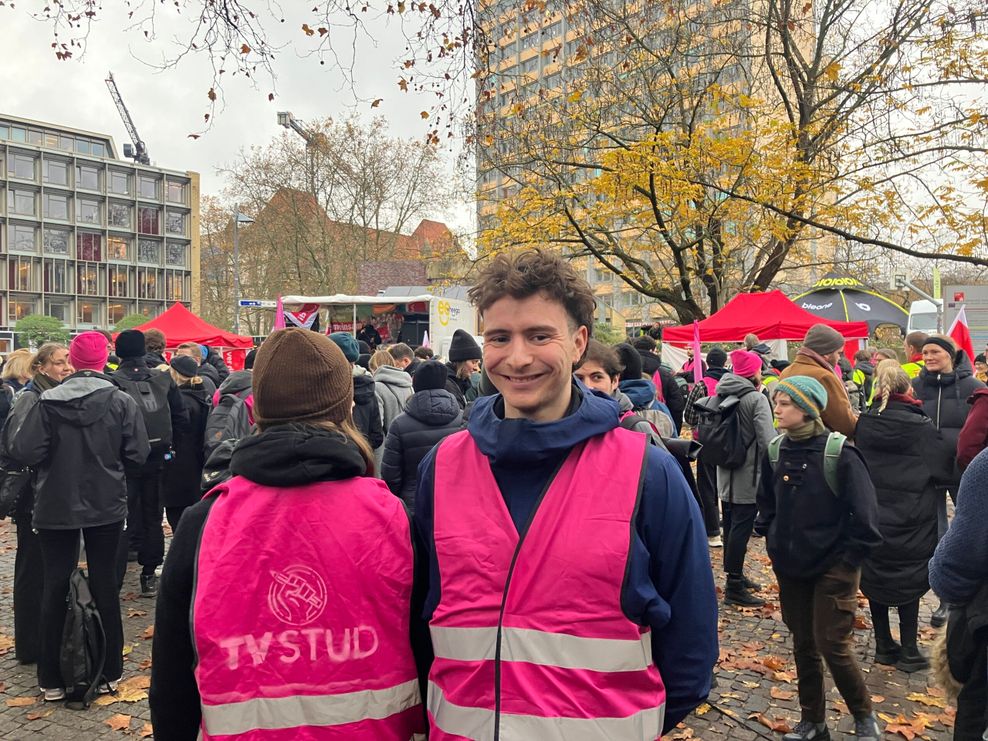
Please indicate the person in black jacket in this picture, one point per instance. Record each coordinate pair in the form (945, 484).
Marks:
(366, 412)
(431, 414)
(213, 358)
(464, 361)
(209, 375)
(895, 437)
(79, 437)
(181, 475)
(155, 343)
(817, 540)
(51, 367)
(944, 385)
(144, 510)
(668, 391)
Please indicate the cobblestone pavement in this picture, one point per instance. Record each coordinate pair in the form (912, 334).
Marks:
(756, 676)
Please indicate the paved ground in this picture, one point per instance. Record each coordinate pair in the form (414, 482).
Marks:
(756, 677)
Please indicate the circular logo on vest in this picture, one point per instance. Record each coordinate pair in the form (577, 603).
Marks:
(297, 595)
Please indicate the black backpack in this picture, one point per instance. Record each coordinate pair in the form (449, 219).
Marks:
(83, 652)
(719, 430)
(151, 396)
(229, 420)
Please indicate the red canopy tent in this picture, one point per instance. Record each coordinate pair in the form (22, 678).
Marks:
(770, 315)
(179, 325)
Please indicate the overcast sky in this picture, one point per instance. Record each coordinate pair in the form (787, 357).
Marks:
(168, 105)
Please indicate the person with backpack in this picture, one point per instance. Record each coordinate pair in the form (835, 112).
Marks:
(393, 388)
(741, 437)
(324, 580)
(430, 415)
(231, 415)
(863, 378)
(366, 410)
(51, 367)
(183, 471)
(818, 512)
(79, 437)
(667, 389)
(706, 473)
(160, 403)
(895, 438)
(641, 392)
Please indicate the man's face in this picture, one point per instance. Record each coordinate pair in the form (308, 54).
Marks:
(593, 376)
(788, 414)
(403, 363)
(530, 349)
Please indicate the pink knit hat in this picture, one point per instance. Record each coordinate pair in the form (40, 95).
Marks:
(745, 364)
(88, 351)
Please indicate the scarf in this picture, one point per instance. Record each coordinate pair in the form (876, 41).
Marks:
(805, 432)
(43, 382)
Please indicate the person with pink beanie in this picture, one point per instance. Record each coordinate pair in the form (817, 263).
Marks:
(80, 486)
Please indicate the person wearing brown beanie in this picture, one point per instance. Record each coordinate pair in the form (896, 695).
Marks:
(303, 547)
(817, 359)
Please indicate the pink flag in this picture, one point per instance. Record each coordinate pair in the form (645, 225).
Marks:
(961, 334)
(279, 315)
(425, 339)
(697, 357)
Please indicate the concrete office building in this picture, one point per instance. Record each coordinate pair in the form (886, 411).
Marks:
(88, 237)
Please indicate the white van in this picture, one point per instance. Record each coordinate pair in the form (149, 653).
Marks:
(922, 317)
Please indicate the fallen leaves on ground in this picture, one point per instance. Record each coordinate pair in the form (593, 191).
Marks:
(133, 689)
(680, 732)
(21, 702)
(38, 715)
(908, 728)
(119, 722)
(6, 643)
(929, 701)
(133, 613)
(144, 665)
(780, 694)
(778, 725)
(147, 731)
(148, 633)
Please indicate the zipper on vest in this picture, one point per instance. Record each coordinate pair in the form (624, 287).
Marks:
(507, 585)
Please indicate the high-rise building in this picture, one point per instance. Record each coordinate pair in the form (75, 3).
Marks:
(87, 237)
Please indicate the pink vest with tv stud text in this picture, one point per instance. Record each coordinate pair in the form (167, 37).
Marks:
(530, 640)
(300, 614)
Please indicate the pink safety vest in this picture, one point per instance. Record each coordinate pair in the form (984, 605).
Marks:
(530, 640)
(300, 614)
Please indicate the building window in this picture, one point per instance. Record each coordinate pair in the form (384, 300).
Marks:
(147, 187)
(118, 248)
(175, 223)
(17, 134)
(119, 182)
(89, 246)
(87, 211)
(22, 166)
(56, 206)
(176, 254)
(176, 192)
(119, 215)
(21, 202)
(56, 242)
(89, 279)
(87, 177)
(174, 286)
(99, 150)
(58, 276)
(148, 283)
(120, 281)
(51, 140)
(21, 274)
(60, 309)
(17, 309)
(117, 310)
(148, 250)
(56, 172)
(22, 238)
(149, 220)
(88, 312)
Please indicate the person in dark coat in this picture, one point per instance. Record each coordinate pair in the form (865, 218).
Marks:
(51, 366)
(895, 437)
(209, 375)
(944, 385)
(181, 475)
(973, 437)
(213, 358)
(370, 335)
(155, 343)
(431, 414)
(668, 391)
(464, 360)
(366, 412)
(79, 437)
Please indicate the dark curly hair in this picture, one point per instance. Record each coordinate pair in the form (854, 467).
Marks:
(524, 274)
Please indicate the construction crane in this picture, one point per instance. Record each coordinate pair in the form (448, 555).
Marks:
(314, 140)
(138, 151)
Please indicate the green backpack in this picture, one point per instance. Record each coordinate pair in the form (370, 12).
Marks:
(831, 455)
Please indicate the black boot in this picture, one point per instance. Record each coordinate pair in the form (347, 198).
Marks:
(887, 651)
(911, 660)
(737, 594)
(939, 617)
(750, 585)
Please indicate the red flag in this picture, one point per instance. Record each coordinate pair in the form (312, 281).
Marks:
(961, 335)
(697, 357)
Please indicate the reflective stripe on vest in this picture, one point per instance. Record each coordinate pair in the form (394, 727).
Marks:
(529, 636)
(273, 713)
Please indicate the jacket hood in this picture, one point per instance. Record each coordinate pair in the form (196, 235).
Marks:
(363, 389)
(434, 407)
(887, 427)
(80, 400)
(865, 367)
(524, 441)
(962, 369)
(624, 403)
(295, 455)
(732, 384)
(977, 395)
(237, 382)
(641, 393)
(393, 376)
(715, 373)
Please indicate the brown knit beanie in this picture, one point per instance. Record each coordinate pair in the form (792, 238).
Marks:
(301, 376)
(823, 339)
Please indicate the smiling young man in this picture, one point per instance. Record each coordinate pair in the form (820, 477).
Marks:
(569, 588)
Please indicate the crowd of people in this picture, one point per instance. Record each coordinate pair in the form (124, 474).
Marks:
(512, 542)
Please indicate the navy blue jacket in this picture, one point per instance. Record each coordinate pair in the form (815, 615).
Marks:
(669, 585)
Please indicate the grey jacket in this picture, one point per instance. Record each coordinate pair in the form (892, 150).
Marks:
(740, 485)
(393, 388)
